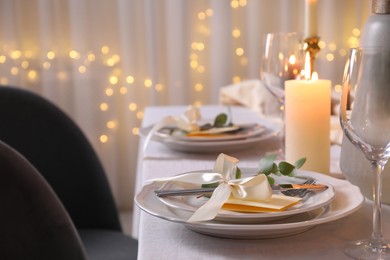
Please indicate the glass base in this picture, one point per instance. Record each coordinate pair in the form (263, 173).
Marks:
(368, 249)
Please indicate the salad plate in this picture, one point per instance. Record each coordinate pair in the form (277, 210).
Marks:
(191, 203)
(348, 199)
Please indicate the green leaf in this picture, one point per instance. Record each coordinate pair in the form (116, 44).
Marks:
(266, 164)
(238, 173)
(210, 185)
(220, 120)
(271, 180)
(298, 164)
(286, 168)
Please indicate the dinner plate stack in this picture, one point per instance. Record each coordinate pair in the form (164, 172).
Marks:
(246, 135)
(339, 200)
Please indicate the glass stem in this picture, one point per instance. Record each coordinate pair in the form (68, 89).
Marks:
(377, 169)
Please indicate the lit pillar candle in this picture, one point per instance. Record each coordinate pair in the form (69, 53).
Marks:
(310, 18)
(308, 104)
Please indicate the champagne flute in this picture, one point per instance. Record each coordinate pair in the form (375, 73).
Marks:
(365, 120)
(282, 59)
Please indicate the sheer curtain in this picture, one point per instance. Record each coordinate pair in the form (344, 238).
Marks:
(104, 61)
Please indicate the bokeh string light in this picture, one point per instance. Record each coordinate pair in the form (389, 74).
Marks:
(29, 65)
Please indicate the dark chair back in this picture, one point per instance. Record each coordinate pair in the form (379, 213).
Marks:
(33, 222)
(53, 143)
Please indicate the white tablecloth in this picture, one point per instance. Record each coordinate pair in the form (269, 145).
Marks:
(160, 239)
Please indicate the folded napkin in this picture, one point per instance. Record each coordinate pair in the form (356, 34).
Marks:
(255, 193)
(249, 93)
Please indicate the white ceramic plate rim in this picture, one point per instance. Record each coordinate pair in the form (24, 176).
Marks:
(347, 195)
(315, 201)
(255, 130)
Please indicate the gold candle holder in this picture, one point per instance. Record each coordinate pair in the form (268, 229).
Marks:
(311, 45)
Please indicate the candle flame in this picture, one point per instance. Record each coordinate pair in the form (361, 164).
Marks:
(314, 76)
(292, 59)
(307, 66)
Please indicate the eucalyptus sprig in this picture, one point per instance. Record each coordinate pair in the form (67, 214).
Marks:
(267, 165)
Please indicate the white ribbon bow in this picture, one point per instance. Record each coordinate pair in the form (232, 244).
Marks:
(254, 188)
(187, 122)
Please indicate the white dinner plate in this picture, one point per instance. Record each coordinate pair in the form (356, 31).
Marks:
(192, 202)
(271, 129)
(219, 134)
(347, 200)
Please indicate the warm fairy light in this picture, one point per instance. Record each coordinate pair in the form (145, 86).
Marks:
(135, 130)
(74, 55)
(321, 44)
(91, 57)
(236, 79)
(109, 92)
(239, 51)
(209, 12)
(236, 33)
(329, 57)
(51, 55)
(356, 32)
(338, 88)
(104, 106)
(16, 54)
(193, 64)
(46, 65)
(25, 64)
(159, 87)
(133, 106)
(148, 83)
(14, 71)
(130, 79)
(82, 69)
(234, 4)
(198, 87)
(201, 15)
(105, 49)
(280, 56)
(3, 59)
(103, 138)
(111, 124)
(140, 115)
(123, 90)
(243, 2)
(32, 74)
(114, 80)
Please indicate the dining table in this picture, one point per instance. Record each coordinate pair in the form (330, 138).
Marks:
(160, 238)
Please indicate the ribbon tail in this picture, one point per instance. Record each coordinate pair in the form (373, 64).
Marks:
(166, 121)
(211, 208)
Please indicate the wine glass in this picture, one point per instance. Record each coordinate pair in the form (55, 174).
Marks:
(365, 120)
(282, 59)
